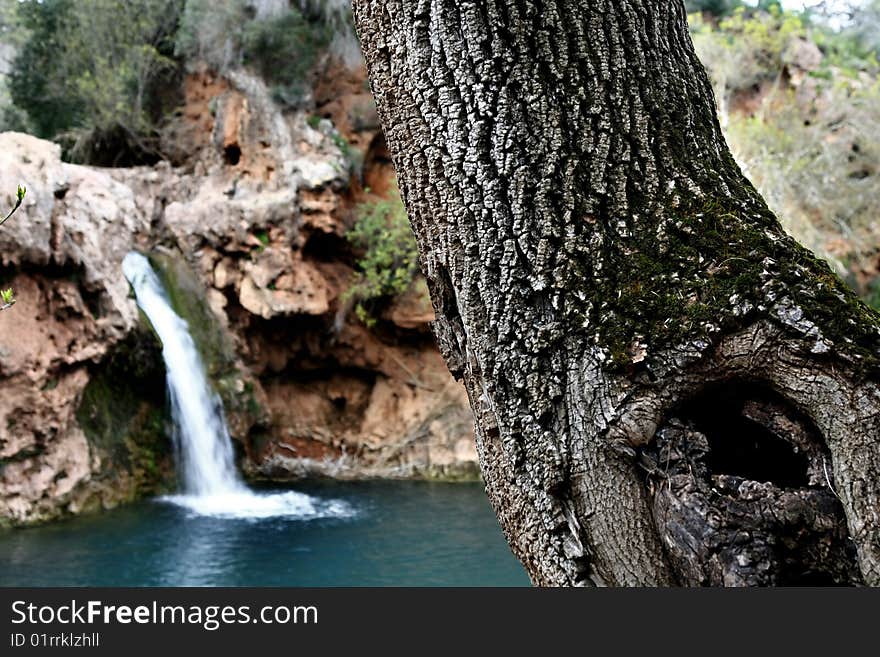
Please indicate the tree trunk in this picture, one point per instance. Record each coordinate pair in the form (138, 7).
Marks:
(667, 388)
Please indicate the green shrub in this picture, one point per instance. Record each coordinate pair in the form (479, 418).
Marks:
(391, 260)
(33, 73)
(283, 50)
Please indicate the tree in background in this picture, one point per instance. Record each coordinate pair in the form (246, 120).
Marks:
(283, 44)
(88, 72)
(284, 50)
(667, 388)
(99, 76)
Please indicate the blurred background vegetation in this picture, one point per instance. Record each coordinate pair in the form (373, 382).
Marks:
(391, 260)
(91, 74)
(799, 101)
(101, 76)
(798, 98)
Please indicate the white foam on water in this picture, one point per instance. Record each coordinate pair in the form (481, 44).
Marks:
(211, 485)
(248, 505)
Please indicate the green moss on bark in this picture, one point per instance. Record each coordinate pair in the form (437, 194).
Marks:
(714, 267)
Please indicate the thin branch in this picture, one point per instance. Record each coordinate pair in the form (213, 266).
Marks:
(19, 197)
(6, 296)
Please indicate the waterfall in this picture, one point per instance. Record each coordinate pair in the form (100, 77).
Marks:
(211, 485)
(200, 435)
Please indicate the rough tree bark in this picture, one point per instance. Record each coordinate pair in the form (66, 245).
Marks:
(667, 388)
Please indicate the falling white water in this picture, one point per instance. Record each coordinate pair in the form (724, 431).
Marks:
(211, 485)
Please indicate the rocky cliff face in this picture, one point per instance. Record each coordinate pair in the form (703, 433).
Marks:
(246, 223)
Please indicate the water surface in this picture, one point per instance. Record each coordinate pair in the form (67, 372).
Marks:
(385, 534)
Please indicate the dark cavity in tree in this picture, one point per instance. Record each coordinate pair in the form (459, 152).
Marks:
(739, 445)
(742, 493)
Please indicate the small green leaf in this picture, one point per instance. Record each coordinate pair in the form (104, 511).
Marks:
(19, 196)
(7, 297)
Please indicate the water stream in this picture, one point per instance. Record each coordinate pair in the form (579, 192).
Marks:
(219, 532)
(205, 457)
(405, 533)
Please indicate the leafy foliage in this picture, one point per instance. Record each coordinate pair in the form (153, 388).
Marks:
(98, 76)
(808, 138)
(283, 50)
(390, 261)
(19, 197)
(87, 72)
(282, 47)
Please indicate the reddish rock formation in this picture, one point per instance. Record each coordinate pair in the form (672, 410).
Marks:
(256, 206)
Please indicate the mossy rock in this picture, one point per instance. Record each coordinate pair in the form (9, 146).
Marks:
(124, 417)
(186, 293)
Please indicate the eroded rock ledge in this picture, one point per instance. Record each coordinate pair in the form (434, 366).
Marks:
(247, 226)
